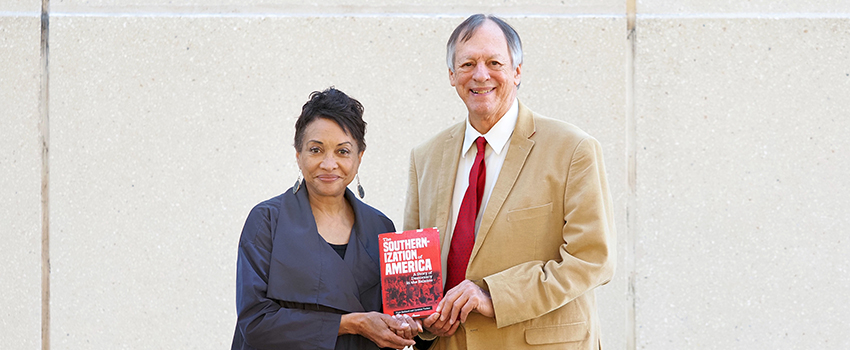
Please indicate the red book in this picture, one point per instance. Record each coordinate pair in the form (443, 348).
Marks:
(411, 276)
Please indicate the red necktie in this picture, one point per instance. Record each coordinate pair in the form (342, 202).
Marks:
(464, 236)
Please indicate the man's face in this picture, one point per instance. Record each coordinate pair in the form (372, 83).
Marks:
(483, 76)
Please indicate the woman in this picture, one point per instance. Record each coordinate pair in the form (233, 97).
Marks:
(307, 273)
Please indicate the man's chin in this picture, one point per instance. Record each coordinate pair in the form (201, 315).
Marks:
(480, 109)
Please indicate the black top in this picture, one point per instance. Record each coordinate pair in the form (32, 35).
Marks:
(339, 249)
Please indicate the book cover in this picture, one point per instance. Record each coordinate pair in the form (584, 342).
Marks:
(411, 276)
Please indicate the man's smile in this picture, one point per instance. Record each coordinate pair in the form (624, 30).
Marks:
(482, 91)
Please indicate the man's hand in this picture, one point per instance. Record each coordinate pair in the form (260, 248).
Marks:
(407, 327)
(463, 299)
(439, 328)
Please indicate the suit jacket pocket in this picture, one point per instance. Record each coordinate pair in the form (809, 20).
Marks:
(530, 212)
(561, 333)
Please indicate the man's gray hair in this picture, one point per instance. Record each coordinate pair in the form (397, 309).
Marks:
(470, 25)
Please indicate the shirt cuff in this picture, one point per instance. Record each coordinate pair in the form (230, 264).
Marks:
(426, 335)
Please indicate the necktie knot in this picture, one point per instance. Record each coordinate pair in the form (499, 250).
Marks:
(480, 142)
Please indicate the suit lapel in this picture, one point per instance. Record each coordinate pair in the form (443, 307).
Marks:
(520, 147)
(446, 184)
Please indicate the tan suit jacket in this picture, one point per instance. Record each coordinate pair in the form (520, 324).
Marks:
(545, 241)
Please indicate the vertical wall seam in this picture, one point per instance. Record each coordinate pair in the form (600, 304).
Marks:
(44, 135)
(631, 154)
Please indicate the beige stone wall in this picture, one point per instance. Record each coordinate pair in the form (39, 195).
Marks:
(723, 125)
(20, 177)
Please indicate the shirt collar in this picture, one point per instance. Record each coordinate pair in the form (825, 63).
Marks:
(499, 134)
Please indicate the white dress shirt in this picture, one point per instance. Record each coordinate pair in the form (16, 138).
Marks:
(494, 156)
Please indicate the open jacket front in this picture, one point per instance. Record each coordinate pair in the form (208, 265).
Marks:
(292, 287)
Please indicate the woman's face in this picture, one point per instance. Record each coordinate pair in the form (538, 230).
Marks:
(328, 158)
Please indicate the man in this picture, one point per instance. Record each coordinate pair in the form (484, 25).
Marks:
(522, 205)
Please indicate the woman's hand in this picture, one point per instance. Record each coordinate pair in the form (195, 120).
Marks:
(381, 329)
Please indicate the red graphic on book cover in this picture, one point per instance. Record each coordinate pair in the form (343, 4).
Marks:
(411, 276)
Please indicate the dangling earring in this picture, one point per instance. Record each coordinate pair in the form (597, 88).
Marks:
(297, 185)
(360, 188)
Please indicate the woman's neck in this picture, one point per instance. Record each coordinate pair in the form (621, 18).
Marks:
(328, 205)
(334, 218)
